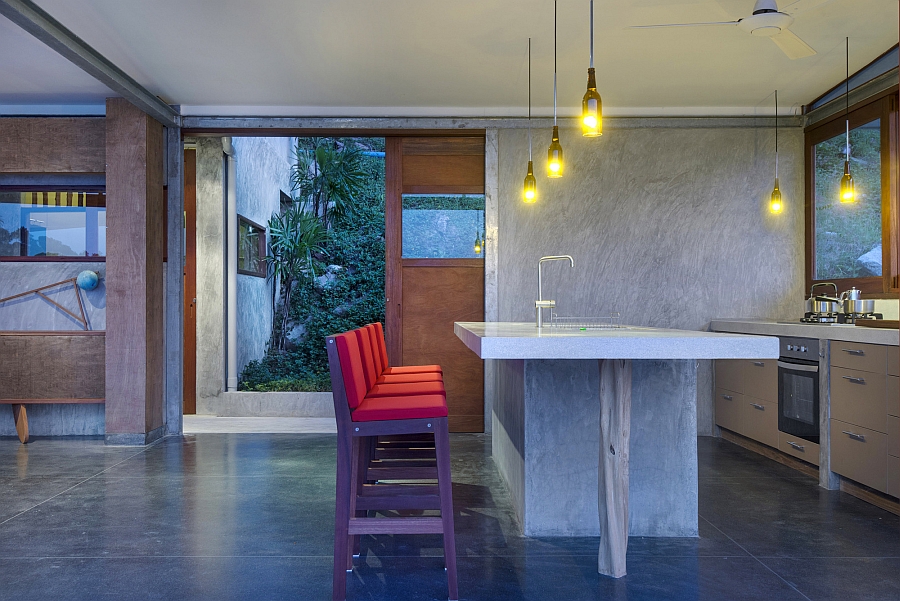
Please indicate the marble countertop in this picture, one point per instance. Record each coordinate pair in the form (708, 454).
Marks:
(842, 332)
(511, 340)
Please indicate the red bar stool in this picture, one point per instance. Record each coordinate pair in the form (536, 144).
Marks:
(361, 416)
(386, 368)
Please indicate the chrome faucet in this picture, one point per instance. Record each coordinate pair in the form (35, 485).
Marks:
(540, 304)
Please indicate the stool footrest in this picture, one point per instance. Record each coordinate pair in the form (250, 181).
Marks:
(414, 453)
(396, 526)
(402, 473)
(398, 496)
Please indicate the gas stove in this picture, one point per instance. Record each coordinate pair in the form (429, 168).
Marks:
(848, 318)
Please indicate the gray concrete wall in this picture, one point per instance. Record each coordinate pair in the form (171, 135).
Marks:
(667, 225)
(210, 274)
(263, 172)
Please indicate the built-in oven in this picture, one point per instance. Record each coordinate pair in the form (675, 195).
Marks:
(798, 388)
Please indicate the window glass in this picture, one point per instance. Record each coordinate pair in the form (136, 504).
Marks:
(52, 224)
(251, 248)
(449, 226)
(848, 235)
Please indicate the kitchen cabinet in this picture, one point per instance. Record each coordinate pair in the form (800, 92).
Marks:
(859, 454)
(893, 359)
(859, 356)
(893, 476)
(747, 398)
(893, 436)
(892, 385)
(858, 397)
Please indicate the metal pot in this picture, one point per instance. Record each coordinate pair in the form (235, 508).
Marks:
(858, 306)
(822, 304)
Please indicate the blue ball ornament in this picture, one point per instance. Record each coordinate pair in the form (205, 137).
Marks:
(87, 280)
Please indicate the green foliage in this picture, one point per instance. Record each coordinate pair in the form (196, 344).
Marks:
(844, 232)
(455, 202)
(348, 295)
(327, 174)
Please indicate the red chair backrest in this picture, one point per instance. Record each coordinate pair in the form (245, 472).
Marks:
(382, 347)
(368, 359)
(376, 352)
(352, 368)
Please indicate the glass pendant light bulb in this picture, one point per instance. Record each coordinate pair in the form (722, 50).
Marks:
(775, 203)
(555, 156)
(477, 244)
(530, 188)
(848, 189)
(591, 105)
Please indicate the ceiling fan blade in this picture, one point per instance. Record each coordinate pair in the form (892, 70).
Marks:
(803, 5)
(683, 25)
(791, 45)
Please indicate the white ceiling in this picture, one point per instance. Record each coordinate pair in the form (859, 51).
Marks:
(440, 58)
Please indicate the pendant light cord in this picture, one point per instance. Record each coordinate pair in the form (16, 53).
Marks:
(776, 134)
(592, 34)
(847, 99)
(554, 62)
(529, 99)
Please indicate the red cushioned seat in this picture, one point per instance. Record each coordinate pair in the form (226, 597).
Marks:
(406, 407)
(370, 363)
(409, 378)
(407, 389)
(413, 369)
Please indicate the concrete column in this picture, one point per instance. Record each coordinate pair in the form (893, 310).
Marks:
(231, 250)
(134, 276)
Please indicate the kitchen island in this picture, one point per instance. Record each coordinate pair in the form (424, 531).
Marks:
(626, 465)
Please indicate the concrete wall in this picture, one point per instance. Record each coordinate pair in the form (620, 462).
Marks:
(263, 172)
(210, 274)
(668, 226)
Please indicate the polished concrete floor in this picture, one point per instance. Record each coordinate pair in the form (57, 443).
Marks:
(250, 516)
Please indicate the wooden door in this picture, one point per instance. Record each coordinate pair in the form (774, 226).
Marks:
(190, 282)
(426, 294)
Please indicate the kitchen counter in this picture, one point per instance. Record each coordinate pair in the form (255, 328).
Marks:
(594, 431)
(842, 332)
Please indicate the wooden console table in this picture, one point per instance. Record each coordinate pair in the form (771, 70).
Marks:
(41, 368)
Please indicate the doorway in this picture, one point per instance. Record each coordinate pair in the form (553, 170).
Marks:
(434, 252)
(189, 382)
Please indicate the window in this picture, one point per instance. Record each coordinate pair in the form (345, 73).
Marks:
(449, 226)
(850, 243)
(251, 248)
(52, 225)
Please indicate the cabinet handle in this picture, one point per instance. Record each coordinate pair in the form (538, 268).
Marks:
(851, 351)
(759, 364)
(854, 380)
(858, 437)
(727, 397)
(760, 407)
(799, 447)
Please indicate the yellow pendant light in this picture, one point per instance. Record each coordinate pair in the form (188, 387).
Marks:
(555, 152)
(848, 189)
(478, 243)
(775, 203)
(529, 192)
(591, 105)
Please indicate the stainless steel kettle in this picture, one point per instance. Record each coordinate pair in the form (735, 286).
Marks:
(823, 304)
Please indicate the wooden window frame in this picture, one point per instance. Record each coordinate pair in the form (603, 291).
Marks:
(262, 247)
(884, 107)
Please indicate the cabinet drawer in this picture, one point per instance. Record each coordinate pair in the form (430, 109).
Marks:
(728, 374)
(894, 476)
(861, 457)
(760, 420)
(863, 357)
(858, 398)
(893, 433)
(892, 385)
(728, 410)
(801, 449)
(893, 360)
(760, 379)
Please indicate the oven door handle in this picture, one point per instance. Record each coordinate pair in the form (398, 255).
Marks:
(798, 367)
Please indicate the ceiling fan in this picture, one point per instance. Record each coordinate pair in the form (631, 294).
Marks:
(767, 21)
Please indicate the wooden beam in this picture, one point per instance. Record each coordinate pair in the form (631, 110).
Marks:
(52, 145)
(134, 275)
(37, 22)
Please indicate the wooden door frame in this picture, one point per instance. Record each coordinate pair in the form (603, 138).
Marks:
(189, 381)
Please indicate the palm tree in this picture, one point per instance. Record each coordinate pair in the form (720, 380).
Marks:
(327, 173)
(296, 236)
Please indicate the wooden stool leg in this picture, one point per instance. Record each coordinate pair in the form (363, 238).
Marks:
(21, 419)
(342, 517)
(615, 436)
(442, 450)
(360, 463)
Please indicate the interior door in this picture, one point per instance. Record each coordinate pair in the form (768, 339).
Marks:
(434, 212)
(190, 281)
